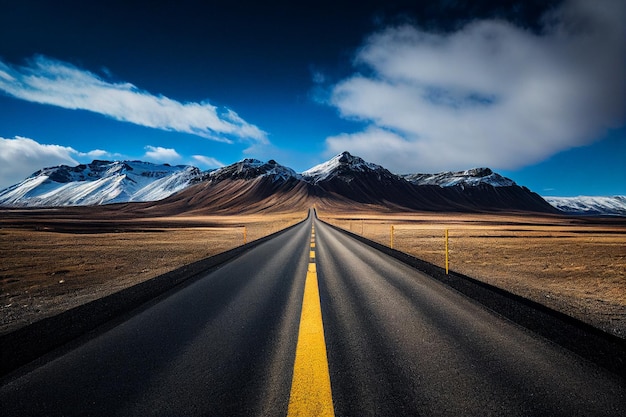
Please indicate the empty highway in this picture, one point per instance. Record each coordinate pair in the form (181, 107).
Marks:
(313, 322)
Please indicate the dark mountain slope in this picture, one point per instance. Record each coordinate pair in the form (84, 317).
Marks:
(251, 186)
(361, 182)
(228, 196)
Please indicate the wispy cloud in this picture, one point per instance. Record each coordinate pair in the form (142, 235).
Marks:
(97, 154)
(48, 81)
(20, 157)
(159, 154)
(489, 94)
(207, 161)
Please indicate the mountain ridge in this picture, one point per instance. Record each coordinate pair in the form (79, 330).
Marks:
(344, 179)
(590, 205)
(470, 177)
(99, 182)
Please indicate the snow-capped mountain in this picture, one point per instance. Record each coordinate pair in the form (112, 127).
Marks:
(609, 206)
(100, 182)
(252, 168)
(344, 179)
(469, 178)
(349, 176)
(343, 166)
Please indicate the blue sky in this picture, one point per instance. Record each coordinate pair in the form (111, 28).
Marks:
(532, 89)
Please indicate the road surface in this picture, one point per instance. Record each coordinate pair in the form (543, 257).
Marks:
(310, 322)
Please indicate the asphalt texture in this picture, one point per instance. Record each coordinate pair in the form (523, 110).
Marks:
(398, 343)
(401, 344)
(222, 346)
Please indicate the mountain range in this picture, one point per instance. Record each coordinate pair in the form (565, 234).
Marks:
(100, 182)
(591, 206)
(253, 185)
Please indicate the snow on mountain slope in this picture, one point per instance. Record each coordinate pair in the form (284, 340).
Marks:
(252, 168)
(100, 182)
(470, 178)
(341, 165)
(611, 206)
(344, 177)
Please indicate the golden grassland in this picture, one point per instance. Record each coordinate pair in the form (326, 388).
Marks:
(574, 265)
(577, 266)
(49, 266)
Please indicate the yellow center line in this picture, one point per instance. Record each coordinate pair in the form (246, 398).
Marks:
(310, 388)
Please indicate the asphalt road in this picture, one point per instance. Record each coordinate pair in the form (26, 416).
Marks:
(401, 344)
(398, 344)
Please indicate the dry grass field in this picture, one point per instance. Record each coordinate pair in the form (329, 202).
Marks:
(49, 265)
(577, 266)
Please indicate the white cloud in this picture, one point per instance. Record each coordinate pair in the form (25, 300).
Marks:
(489, 94)
(49, 81)
(207, 161)
(20, 157)
(159, 154)
(98, 154)
(373, 144)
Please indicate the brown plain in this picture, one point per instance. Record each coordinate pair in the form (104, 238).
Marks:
(49, 265)
(575, 265)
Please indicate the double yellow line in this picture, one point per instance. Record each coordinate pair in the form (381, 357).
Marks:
(310, 388)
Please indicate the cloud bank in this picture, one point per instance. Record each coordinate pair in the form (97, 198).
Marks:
(57, 83)
(161, 155)
(489, 94)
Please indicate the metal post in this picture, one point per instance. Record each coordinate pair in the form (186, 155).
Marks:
(391, 238)
(447, 256)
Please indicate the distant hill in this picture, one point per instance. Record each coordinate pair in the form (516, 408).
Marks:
(592, 206)
(252, 185)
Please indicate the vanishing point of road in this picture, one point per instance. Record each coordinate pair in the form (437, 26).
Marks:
(313, 322)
